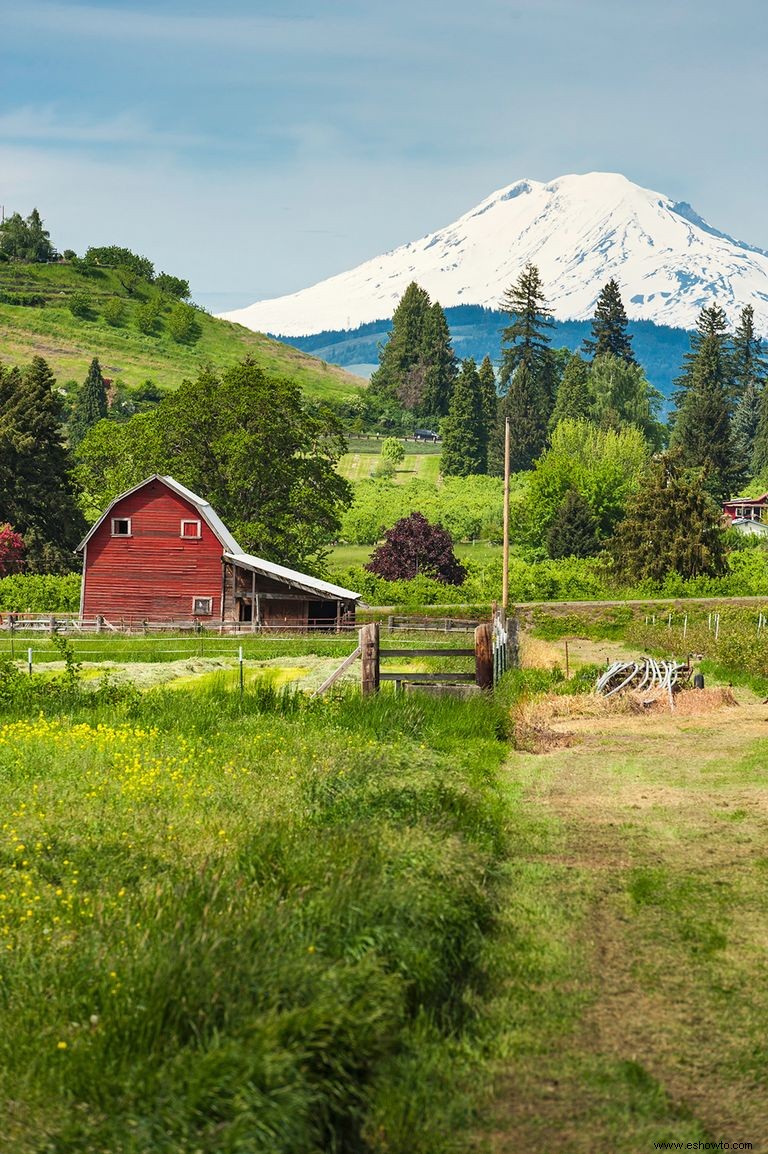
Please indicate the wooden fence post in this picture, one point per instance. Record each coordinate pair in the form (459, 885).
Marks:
(369, 654)
(484, 655)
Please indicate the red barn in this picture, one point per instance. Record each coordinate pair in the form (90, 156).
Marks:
(161, 553)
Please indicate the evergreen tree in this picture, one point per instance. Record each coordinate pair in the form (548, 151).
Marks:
(671, 526)
(748, 364)
(573, 533)
(487, 377)
(702, 427)
(609, 327)
(400, 375)
(90, 406)
(525, 340)
(527, 422)
(465, 442)
(574, 400)
(438, 365)
(745, 425)
(37, 494)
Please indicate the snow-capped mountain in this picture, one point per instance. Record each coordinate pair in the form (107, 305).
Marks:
(579, 230)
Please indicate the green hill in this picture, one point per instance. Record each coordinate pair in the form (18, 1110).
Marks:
(47, 327)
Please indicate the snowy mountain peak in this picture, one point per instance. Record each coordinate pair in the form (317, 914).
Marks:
(580, 230)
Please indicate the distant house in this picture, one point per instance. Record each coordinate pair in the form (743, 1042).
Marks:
(160, 553)
(748, 515)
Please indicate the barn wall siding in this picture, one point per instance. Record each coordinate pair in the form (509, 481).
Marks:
(154, 574)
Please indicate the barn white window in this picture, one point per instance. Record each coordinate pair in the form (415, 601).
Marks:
(202, 606)
(121, 526)
(191, 530)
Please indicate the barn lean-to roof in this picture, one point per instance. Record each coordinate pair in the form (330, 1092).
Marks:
(312, 585)
(206, 511)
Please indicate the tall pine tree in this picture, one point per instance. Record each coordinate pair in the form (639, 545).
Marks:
(702, 427)
(749, 366)
(90, 406)
(37, 493)
(525, 354)
(399, 376)
(487, 376)
(465, 442)
(438, 362)
(609, 326)
(745, 425)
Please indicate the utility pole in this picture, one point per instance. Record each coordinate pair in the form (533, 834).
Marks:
(505, 568)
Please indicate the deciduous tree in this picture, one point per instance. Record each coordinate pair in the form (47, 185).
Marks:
(415, 546)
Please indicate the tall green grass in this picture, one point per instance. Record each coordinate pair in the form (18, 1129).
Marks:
(251, 924)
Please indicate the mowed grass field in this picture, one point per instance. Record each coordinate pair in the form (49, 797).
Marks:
(422, 460)
(344, 556)
(635, 1007)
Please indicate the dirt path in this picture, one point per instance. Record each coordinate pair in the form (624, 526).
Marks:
(636, 1008)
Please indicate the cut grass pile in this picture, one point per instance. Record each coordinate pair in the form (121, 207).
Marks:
(253, 926)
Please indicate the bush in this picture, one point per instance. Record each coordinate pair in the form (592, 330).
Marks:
(114, 312)
(80, 305)
(183, 324)
(146, 316)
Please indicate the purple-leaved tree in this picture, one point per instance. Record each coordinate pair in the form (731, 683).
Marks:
(414, 546)
(11, 550)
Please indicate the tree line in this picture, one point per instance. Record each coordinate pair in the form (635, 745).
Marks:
(262, 454)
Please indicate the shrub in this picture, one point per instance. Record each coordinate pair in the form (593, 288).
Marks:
(414, 546)
(114, 312)
(80, 305)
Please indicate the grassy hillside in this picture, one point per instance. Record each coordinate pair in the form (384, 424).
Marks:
(68, 342)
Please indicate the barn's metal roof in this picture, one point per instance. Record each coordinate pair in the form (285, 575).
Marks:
(206, 511)
(303, 581)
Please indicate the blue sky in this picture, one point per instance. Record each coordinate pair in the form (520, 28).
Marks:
(257, 147)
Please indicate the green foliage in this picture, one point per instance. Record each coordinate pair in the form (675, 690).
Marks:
(671, 526)
(90, 405)
(172, 286)
(146, 316)
(255, 449)
(79, 305)
(392, 452)
(468, 507)
(113, 256)
(182, 324)
(609, 327)
(113, 311)
(39, 593)
(573, 532)
(621, 395)
(525, 339)
(487, 377)
(417, 366)
(749, 368)
(37, 493)
(603, 465)
(26, 240)
(702, 428)
(465, 434)
(574, 400)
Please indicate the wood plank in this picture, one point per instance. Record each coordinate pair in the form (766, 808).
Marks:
(337, 672)
(426, 653)
(369, 653)
(484, 655)
(428, 677)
